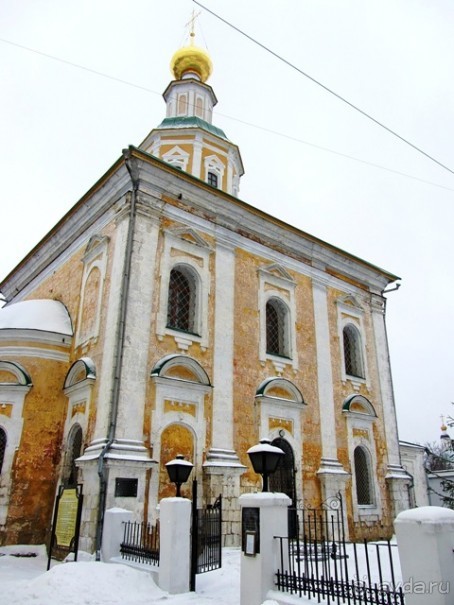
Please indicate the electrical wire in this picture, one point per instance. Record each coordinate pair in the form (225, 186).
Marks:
(250, 124)
(326, 88)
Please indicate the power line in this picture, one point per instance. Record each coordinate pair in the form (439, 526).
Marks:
(326, 88)
(78, 66)
(258, 127)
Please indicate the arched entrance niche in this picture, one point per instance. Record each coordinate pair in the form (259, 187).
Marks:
(283, 480)
(175, 439)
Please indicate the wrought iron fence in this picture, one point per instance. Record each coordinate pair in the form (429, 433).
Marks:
(140, 543)
(317, 562)
(209, 537)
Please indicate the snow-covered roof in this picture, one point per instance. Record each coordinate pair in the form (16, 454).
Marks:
(43, 315)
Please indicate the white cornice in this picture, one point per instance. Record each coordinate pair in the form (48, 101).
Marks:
(39, 352)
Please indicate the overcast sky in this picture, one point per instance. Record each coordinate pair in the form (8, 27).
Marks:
(61, 128)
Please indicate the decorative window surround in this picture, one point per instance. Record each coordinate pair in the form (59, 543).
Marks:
(12, 397)
(95, 258)
(276, 282)
(360, 416)
(177, 157)
(214, 165)
(185, 247)
(351, 312)
(78, 387)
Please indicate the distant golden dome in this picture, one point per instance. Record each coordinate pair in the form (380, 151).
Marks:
(191, 59)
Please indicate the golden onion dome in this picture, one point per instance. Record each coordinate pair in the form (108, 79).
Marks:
(191, 59)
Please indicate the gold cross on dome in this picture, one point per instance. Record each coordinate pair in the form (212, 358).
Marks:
(191, 24)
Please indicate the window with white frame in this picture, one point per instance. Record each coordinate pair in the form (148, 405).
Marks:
(182, 108)
(351, 318)
(360, 416)
(214, 170)
(277, 338)
(184, 288)
(353, 355)
(199, 107)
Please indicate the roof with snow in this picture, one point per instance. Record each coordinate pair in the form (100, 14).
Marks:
(43, 315)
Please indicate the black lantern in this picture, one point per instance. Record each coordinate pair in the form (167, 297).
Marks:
(265, 458)
(179, 470)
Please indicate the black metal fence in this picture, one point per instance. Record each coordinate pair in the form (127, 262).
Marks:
(317, 562)
(209, 537)
(140, 543)
(206, 539)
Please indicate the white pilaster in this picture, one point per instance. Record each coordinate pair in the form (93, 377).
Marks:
(197, 158)
(134, 374)
(385, 381)
(325, 375)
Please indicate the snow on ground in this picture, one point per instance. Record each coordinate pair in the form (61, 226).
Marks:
(24, 580)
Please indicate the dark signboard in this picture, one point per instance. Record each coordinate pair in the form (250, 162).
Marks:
(250, 530)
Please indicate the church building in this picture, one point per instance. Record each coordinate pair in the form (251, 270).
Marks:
(163, 315)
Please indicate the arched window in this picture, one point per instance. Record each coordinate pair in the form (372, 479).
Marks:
(362, 476)
(199, 107)
(182, 300)
(352, 352)
(74, 451)
(182, 105)
(276, 328)
(2, 448)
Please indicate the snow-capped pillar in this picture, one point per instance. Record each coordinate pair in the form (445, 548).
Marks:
(425, 538)
(175, 545)
(396, 476)
(331, 473)
(113, 532)
(265, 516)
(222, 463)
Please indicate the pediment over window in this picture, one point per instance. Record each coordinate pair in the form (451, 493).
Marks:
(189, 235)
(180, 367)
(95, 245)
(176, 157)
(83, 369)
(358, 404)
(280, 388)
(350, 301)
(13, 374)
(277, 270)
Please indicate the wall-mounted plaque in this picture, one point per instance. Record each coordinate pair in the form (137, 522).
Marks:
(250, 530)
(125, 488)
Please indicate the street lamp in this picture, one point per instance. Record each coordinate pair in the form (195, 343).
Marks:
(265, 458)
(179, 470)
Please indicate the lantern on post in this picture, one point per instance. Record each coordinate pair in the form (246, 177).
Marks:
(179, 470)
(265, 458)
